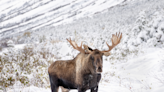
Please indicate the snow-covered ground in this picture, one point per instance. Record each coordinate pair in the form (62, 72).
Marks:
(144, 73)
(136, 64)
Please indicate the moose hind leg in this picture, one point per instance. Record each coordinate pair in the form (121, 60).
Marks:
(54, 88)
(54, 85)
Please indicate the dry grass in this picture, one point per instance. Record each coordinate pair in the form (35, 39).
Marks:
(27, 34)
(16, 66)
(55, 41)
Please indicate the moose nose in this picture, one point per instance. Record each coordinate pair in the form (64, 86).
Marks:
(99, 68)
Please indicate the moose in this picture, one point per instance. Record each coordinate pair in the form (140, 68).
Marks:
(84, 71)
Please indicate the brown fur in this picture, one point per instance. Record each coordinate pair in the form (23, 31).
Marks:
(74, 71)
(63, 69)
(75, 68)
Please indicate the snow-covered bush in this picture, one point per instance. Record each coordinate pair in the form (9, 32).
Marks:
(149, 30)
(28, 65)
(10, 43)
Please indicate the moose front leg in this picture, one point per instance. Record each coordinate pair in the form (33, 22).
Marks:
(95, 89)
(82, 89)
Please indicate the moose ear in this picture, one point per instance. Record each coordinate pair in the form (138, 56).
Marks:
(106, 53)
(90, 49)
(87, 49)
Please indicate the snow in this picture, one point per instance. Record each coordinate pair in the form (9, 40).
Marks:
(135, 65)
(29, 89)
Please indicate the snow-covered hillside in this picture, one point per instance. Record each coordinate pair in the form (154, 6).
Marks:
(135, 65)
(22, 15)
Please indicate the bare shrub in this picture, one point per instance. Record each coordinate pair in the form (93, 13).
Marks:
(27, 34)
(17, 65)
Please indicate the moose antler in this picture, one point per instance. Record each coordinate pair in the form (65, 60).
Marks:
(115, 40)
(75, 46)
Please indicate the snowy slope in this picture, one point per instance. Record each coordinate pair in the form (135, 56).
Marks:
(22, 15)
(143, 73)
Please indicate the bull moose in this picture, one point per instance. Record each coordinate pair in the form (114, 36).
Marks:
(83, 72)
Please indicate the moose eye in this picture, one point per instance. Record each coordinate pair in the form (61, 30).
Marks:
(92, 58)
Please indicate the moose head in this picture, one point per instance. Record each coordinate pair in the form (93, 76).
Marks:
(95, 55)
